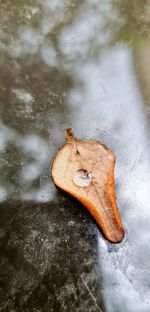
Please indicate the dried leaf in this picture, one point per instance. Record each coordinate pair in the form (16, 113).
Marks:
(85, 169)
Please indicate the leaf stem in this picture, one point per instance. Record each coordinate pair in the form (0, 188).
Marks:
(69, 135)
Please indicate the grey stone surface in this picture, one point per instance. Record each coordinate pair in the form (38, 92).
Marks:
(48, 258)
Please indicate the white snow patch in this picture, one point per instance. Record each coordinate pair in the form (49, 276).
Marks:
(23, 95)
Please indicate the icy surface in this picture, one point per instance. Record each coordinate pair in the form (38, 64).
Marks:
(72, 63)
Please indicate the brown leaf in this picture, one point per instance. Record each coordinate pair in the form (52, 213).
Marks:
(85, 169)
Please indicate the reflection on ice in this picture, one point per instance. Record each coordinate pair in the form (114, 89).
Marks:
(35, 146)
(89, 31)
(45, 193)
(48, 55)
(125, 271)
(23, 95)
(33, 166)
(30, 38)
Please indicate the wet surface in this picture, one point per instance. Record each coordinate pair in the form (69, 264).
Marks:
(46, 262)
(78, 64)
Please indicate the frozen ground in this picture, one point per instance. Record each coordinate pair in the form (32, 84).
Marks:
(71, 63)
